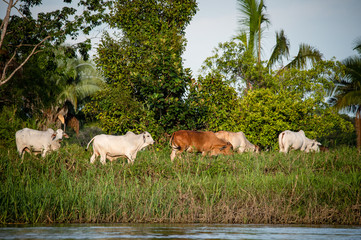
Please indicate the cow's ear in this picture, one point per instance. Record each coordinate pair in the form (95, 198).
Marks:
(143, 137)
(53, 136)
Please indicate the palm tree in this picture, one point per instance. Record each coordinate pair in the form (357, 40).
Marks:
(253, 23)
(86, 82)
(306, 53)
(348, 91)
(79, 79)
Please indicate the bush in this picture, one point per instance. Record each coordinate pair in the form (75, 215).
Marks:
(10, 122)
(266, 114)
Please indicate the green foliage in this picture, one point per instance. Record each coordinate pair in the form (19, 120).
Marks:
(146, 60)
(26, 35)
(217, 103)
(311, 83)
(236, 65)
(48, 81)
(76, 78)
(117, 112)
(292, 99)
(10, 122)
(267, 113)
(35, 88)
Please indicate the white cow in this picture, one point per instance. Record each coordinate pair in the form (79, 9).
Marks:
(35, 141)
(112, 147)
(297, 140)
(238, 141)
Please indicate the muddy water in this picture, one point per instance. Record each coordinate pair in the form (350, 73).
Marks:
(178, 231)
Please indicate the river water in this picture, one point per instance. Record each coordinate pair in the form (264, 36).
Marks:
(178, 231)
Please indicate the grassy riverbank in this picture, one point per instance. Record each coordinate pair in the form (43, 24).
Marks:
(319, 188)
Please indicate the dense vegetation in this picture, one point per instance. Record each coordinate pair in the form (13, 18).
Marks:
(137, 82)
(270, 187)
(141, 83)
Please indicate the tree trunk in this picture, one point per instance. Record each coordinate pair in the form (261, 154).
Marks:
(358, 127)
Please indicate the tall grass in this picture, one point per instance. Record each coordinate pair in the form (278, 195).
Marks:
(319, 188)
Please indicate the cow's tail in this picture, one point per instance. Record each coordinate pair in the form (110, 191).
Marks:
(172, 144)
(89, 143)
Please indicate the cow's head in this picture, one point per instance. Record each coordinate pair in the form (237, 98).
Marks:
(313, 146)
(147, 138)
(225, 149)
(58, 135)
(257, 149)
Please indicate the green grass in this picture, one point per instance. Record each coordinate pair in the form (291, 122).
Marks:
(316, 188)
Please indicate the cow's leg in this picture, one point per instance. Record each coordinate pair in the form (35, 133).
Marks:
(173, 154)
(283, 146)
(103, 158)
(21, 150)
(93, 157)
(43, 154)
(111, 158)
(241, 149)
(133, 156)
(130, 158)
(286, 147)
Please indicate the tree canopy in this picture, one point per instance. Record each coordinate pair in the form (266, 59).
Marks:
(24, 35)
(145, 86)
(145, 61)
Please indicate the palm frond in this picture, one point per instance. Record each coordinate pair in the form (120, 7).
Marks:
(252, 21)
(305, 55)
(88, 86)
(358, 46)
(353, 70)
(68, 94)
(348, 99)
(242, 37)
(348, 95)
(280, 50)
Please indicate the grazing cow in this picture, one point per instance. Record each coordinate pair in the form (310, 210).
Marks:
(195, 141)
(35, 141)
(238, 141)
(296, 140)
(112, 147)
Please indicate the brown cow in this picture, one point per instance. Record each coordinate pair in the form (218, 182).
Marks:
(196, 141)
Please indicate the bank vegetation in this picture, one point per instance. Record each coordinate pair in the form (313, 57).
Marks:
(267, 188)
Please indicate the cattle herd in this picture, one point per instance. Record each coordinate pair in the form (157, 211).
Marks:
(112, 147)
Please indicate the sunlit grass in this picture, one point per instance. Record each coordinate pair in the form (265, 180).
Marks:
(250, 188)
